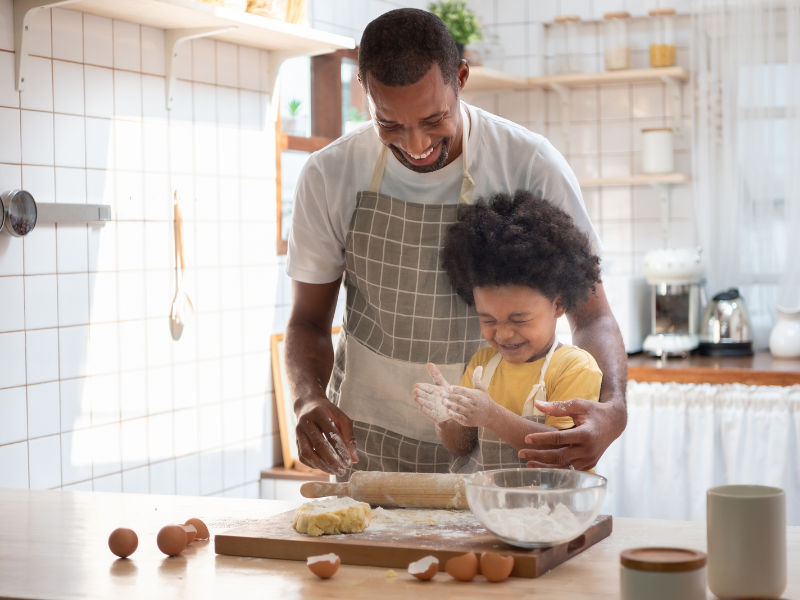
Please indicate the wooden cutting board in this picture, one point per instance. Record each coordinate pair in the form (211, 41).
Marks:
(396, 538)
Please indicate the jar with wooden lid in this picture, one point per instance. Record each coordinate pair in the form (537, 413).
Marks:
(567, 43)
(662, 44)
(617, 41)
(662, 574)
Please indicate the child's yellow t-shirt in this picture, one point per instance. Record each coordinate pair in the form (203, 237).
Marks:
(573, 373)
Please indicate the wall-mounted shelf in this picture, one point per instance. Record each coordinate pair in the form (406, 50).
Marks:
(187, 19)
(661, 182)
(484, 79)
(650, 179)
(571, 80)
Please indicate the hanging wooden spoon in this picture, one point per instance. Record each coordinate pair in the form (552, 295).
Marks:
(182, 309)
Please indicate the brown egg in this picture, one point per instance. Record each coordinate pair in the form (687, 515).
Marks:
(171, 540)
(123, 542)
(191, 533)
(202, 530)
(324, 566)
(463, 568)
(425, 568)
(496, 568)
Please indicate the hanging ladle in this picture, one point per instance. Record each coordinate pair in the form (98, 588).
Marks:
(182, 309)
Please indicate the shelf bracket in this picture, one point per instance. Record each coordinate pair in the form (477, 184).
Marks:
(664, 190)
(23, 13)
(276, 59)
(172, 41)
(564, 99)
(676, 95)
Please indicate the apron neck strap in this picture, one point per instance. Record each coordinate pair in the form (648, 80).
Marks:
(547, 359)
(467, 183)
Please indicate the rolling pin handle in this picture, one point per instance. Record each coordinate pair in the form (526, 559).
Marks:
(320, 489)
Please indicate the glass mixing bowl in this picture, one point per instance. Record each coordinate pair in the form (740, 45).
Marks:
(535, 508)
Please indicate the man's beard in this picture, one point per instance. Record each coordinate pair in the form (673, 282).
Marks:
(440, 162)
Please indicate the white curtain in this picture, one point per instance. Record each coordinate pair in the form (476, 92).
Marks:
(746, 150)
(682, 439)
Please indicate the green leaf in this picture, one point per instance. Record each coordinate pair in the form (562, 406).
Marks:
(460, 21)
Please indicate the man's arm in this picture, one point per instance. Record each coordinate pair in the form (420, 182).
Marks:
(597, 424)
(324, 433)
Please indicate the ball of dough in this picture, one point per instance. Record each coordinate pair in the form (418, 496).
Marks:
(332, 516)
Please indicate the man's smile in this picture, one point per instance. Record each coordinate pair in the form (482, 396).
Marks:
(424, 159)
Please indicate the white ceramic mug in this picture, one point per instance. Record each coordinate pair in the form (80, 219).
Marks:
(746, 530)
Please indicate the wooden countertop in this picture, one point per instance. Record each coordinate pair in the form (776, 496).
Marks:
(53, 545)
(761, 369)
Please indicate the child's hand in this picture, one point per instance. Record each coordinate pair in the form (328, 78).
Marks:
(429, 397)
(471, 407)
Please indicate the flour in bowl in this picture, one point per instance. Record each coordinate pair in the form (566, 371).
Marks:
(534, 524)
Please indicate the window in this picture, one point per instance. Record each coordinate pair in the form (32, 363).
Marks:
(321, 99)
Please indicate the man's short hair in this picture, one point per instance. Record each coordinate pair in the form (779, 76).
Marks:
(400, 47)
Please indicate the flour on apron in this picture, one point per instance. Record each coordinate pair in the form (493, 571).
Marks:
(490, 451)
(401, 314)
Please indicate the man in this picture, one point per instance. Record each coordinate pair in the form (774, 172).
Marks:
(374, 206)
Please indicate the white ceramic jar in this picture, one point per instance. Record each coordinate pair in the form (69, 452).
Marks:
(746, 532)
(662, 574)
(657, 150)
(784, 341)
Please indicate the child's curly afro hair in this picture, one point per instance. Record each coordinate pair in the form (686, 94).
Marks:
(520, 241)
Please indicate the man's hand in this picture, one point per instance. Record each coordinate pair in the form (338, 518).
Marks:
(471, 407)
(429, 397)
(597, 424)
(325, 437)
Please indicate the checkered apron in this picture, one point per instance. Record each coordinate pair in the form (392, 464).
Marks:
(401, 314)
(490, 451)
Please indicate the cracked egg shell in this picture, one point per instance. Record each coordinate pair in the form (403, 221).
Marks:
(463, 568)
(324, 566)
(202, 530)
(191, 533)
(425, 568)
(123, 542)
(496, 568)
(171, 540)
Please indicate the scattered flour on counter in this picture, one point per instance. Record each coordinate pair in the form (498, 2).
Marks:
(534, 524)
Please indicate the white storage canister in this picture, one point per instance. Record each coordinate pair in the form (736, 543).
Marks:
(657, 150)
(663, 574)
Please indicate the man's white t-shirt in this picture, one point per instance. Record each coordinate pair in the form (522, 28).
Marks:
(502, 157)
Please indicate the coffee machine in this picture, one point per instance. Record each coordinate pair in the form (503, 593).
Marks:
(676, 283)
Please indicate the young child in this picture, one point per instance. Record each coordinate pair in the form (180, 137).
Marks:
(523, 263)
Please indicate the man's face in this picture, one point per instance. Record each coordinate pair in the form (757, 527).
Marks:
(421, 122)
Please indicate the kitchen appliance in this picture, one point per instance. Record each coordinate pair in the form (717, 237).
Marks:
(676, 279)
(629, 300)
(726, 329)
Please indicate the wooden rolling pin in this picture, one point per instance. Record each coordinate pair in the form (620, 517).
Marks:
(406, 490)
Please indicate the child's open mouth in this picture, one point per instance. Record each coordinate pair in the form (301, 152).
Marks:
(511, 348)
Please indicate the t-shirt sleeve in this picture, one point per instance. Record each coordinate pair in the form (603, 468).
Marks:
(578, 377)
(316, 248)
(552, 178)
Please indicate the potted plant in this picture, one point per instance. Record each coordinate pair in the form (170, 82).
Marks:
(354, 119)
(289, 122)
(462, 23)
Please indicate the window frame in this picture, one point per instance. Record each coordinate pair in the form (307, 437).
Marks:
(326, 121)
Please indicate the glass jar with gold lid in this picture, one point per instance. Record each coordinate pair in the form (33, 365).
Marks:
(662, 44)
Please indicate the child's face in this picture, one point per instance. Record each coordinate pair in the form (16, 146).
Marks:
(516, 320)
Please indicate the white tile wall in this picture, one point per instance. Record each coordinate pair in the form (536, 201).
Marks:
(94, 394)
